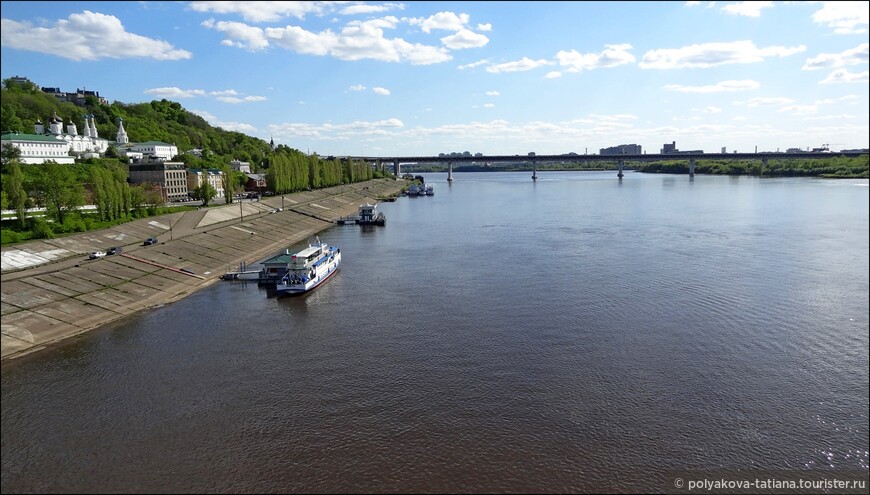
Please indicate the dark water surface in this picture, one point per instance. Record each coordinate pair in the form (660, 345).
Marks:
(579, 333)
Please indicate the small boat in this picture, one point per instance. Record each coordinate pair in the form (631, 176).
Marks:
(368, 216)
(430, 190)
(413, 190)
(309, 268)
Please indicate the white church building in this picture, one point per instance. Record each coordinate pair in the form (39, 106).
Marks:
(64, 147)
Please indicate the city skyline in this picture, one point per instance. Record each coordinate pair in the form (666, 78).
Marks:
(423, 78)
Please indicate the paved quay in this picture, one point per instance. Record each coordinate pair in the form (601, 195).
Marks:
(50, 291)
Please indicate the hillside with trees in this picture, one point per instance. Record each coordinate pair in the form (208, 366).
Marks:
(62, 189)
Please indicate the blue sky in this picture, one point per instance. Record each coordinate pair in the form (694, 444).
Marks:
(422, 78)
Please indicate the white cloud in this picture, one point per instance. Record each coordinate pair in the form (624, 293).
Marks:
(799, 109)
(371, 9)
(358, 40)
(611, 56)
(842, 116)
(692, 3)
(86, 36)
(844, 17)
(464, 39)
(473, 64)
(854, 56)
(227, 95)
(748, 9)
(260, 11)
(708, 55)
(493, 93)
(357, 87)
(761, 101)
(173, 92)
(447, 21)
(227, 126)
(521, 65)
(844, 76)
(742, 85)
(484, 27)
(241, 35)
(553, 74)
(381, 91)
(246, 99)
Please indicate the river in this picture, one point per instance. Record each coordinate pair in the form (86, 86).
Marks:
(575, 333)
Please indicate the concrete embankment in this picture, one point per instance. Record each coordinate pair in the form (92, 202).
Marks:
(51, 291)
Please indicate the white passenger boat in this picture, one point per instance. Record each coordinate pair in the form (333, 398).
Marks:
(309, 268)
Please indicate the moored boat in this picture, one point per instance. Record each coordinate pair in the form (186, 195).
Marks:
(309, 268)
(369, 216)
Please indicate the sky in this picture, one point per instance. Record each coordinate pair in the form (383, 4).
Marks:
(424, 78)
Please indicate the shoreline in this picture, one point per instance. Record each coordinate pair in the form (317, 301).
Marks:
(69, 295)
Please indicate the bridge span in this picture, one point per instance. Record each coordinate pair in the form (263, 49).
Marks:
(396, 161)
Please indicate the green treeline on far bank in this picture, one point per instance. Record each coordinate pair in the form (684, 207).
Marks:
(837, 167)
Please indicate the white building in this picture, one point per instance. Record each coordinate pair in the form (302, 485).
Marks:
(156, 149)
(54, 144)
(38, 148)
(196, 177)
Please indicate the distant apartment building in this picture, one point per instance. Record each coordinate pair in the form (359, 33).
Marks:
(196, 177)
(622, 149)
(79, 97)
(171, 177)
(239, 166)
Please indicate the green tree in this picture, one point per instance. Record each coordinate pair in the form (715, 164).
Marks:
(57, 189)
(227, 181)
(13, 186)
(9, 153)
(206, 192)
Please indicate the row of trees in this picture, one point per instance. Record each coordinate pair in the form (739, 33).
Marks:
(291, 170)
(839, 167)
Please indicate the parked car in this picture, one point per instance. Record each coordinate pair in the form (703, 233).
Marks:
(149, 241)
(95, 255)
(114, 250)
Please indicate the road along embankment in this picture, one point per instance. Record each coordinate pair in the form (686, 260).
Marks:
(51, 290)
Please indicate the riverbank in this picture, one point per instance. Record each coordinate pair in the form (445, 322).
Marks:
(51, 291)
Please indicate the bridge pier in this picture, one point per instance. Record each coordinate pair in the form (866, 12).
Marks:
(449, 171)
(621, 166)
(534, 169)
(396, 168)
(691, 167)
(763, 164)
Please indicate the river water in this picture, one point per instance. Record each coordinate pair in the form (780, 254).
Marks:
(577, 333)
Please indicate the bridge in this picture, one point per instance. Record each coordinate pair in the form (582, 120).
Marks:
(379, 162)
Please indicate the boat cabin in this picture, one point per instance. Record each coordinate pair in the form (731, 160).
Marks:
(367, 213)
(306, 257)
